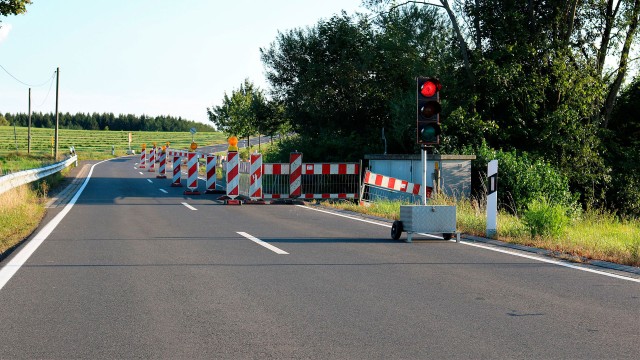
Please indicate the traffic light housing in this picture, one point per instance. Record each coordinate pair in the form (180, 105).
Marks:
(428, 111)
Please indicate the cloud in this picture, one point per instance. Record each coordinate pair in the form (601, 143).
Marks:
(4, 31)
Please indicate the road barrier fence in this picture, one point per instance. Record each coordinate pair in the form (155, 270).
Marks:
(256, 180)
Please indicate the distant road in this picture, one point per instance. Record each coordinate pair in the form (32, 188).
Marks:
(137, 270)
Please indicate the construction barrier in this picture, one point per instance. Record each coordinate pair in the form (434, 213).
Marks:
(152, 160)
(258, 181)
(255, 187)
(177, 174)
(143, 158)
(192, 177)
(211, 173)
(162, 167)
(233, 175)
(295, 175)
(387, 183)
(181, 153)
(317, 181)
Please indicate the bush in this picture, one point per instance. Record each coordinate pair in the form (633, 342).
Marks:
(245, 153)
(521, 180)
(544, 219)
(625, 194)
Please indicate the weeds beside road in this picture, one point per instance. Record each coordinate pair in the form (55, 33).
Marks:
(591, 235)
(22, 210)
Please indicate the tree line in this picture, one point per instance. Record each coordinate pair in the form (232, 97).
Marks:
(549, 81)
(105, 121)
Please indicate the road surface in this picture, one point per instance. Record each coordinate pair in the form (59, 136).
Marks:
(137, 270)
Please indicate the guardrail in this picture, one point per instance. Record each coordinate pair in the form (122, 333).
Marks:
(16, 179)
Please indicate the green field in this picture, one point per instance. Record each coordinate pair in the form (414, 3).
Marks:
(96, 144)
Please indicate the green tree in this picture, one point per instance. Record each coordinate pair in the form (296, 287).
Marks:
(122, 122)
(269, 115)
(324, 77)
(344, 80)
(540, 80)
(624, 151)
(235, 116)
(13, 7)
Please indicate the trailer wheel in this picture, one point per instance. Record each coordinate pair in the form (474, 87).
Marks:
(396, 230)
(447, 236)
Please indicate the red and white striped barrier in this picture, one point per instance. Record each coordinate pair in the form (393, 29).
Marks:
(211, 174)
(162, 167)
(152, 160)
(255, 186)
(184, 153)
(310, 196)
(330, 169)
(275, 169)
(233, 176)
(177, 174)
(143, 158)
(313, 169)
(192, 178)
(295, 175)
(393, 184)
(352, 169)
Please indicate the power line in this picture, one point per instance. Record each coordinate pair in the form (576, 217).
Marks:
(24, 83)
(46, 97)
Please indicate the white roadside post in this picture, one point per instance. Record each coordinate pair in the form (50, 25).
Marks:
(492, 198)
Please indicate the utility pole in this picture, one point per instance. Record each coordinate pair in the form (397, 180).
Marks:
(55, 154)
(29, 129)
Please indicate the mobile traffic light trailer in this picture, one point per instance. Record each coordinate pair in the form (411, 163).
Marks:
(426, 219)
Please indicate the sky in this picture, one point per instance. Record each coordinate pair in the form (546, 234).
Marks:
(153, 57)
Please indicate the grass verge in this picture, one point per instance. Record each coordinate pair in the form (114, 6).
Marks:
(14, 161)
(593, 236)
(22, 210)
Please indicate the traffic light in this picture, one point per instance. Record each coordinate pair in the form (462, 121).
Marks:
(428, 109)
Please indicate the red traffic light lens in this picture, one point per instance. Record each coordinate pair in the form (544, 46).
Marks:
(430, 87)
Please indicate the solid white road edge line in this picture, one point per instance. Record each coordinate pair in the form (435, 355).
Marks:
(555, 262)
(189, 206)
(262, 243)
(504, 251)
(346, 216)
(7, 272)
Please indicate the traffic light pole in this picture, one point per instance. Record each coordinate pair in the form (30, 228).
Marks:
(423, 151)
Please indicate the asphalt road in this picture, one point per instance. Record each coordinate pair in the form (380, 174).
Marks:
(132, 272)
